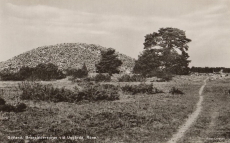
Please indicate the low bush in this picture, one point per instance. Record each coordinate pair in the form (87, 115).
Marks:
(77, 73)
(7, 108)
(10, 108)
(101, 92)
(10, 76)
(40, 72)
(163, 76)
(37, 91)
(20, 107)
(2, 101)
(91, 92)
(133, 78)
(174, 90)
(141, 88)
(100, 78)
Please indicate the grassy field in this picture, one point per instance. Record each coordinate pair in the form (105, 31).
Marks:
(133, 118)
(213, 124)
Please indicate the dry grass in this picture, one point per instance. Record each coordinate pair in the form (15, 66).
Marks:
(135, 118)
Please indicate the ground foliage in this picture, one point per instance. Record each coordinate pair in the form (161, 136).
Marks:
(91, 92)
(20, 107)
(140, 88)
(100, 78)
(133, 118)
(131, 78)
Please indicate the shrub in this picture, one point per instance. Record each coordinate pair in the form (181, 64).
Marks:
(100, 78)
(101, 92)
(174, 90)
(10, 108)
(9, 75)
(78, 73)
(141, 88)
(92, 92)
(20, 107)
(134, 78)
(37, 91)
(7, 108)
(163, 76)
(2, 101)
(47, 72)
(40, 72)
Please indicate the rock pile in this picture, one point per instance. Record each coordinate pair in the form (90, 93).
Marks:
(65, 55)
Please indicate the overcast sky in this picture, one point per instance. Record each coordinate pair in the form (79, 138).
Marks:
(120, 24)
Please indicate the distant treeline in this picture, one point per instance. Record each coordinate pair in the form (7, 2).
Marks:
(209, 69)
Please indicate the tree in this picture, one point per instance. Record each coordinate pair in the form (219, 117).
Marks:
(164, 51)
(84, 70)
(109, 62)
(47, 72)
(78, 73)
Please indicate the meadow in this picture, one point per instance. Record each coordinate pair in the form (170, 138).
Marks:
(213, 124)
(132, 118)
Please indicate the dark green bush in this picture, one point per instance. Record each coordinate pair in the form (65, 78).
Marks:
(91, 92)
(133, 78)
(141, 88)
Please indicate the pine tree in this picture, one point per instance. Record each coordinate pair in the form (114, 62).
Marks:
(164, 51)
(109, 62)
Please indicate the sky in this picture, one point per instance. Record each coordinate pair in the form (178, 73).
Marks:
(119, 24)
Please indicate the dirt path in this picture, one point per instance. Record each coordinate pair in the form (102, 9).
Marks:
(191, 119)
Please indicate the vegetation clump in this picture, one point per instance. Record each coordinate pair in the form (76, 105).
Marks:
(131, 78)
(20, 107)
(7, 108)
(78, 73)
(10, 108)
(100, 78)
(2, 101)
(100, 92)
(163, 76)
(91, 92)
(44, 72)
(174, 90)
(140, 88)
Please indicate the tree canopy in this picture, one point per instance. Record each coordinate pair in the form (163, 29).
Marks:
(109, 62)
(165, 50)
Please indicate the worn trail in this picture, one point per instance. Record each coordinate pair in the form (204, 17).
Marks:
(192, 118)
